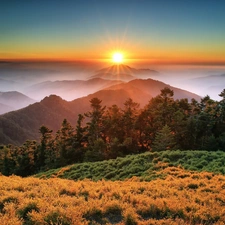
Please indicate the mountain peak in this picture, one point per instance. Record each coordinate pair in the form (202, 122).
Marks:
(52, 98)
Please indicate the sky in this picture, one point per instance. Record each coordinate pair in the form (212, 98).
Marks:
(160, 31)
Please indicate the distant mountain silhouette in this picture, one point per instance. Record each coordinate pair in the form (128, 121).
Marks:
(69, 89)
(153, 88)
(18, 126)
(111, 76)
(124, 73)
(15, 100)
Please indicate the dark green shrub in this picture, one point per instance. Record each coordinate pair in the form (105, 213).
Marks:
(55, 218)
(94, 216)
(175, 155)
(85, 194)
(110, 175)
(20, 189)
(124, 162)
(66, 192)
(193, 186)
(154, 212)
(23, 213)
(130, 220)
(7, 200)
(113, 214)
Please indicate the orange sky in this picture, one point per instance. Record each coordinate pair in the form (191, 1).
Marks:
(172, 32)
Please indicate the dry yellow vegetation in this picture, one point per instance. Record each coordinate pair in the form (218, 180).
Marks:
(182, 197)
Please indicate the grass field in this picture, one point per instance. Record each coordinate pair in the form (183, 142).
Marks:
(169, 187)
(181, 197)
(142, 165)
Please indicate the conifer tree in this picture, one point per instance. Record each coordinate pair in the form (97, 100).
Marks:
(164, 140)
(64, 143)
(95, 126)
(45, 148)
(129, 124)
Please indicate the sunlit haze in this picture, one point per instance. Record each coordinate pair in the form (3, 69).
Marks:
(177, 42)
(117, 57)
(183, 32)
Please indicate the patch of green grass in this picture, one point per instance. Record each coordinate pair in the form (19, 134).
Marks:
(143, 165)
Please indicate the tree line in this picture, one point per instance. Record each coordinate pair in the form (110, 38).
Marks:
(105, 133)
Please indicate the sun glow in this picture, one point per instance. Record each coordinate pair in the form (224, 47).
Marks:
(117, 57)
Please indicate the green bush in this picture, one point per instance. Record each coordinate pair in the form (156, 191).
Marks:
(154, 212)
(55, 218)
(66, 192)
(143, 165)
(24, 213)
(94, 215)
(113, 214)
(192, 186)
(130, 220)
(7, 200)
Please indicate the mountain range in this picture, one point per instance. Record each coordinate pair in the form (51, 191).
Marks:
(68, 89)
(18, 126)
(124, 73)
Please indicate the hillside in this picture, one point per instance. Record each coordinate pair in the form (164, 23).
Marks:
(181, 197)
(23, 124)
(144, 166)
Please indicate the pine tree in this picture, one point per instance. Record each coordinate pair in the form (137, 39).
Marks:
(164, 140)
(129, 124)
(45, 148)
(95, 126)
(64, 144)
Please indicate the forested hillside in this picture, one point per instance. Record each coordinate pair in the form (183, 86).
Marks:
(109, 132)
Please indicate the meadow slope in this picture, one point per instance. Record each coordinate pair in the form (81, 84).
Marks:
(181, 197)
(143, 165)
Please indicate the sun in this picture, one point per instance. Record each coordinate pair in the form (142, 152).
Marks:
(117, 57)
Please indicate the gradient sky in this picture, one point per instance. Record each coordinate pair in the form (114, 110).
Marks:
(172, 31)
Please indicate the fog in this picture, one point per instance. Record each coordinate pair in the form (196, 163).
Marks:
(39, 79)
(201, 80)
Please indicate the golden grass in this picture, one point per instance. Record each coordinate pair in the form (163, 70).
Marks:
(183, 197)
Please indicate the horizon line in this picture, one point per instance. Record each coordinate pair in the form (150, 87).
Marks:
(144, 60)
